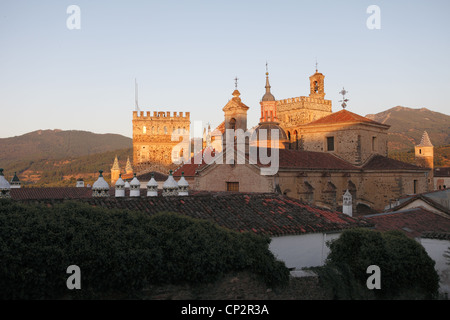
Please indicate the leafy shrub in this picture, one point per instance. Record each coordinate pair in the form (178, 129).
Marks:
(118, 251)
(407, 272)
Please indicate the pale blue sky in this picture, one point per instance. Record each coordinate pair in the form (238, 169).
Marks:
(185, 55)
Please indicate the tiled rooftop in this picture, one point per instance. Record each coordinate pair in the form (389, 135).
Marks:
(269, 214)
(379, 162)
(442, 172)
(413, 222)
(344, 116)
(312, 160)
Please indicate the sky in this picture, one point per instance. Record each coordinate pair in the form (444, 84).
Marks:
(185, 55)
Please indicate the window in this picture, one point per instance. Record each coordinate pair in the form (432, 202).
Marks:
(233, 186)
(330, 143)
(144, 130)
(374, 143)
(415, 186)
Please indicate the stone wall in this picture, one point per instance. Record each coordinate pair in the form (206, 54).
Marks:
(152, 135)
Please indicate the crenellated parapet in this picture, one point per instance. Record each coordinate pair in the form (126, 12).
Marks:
(304, 102)
(160, 115)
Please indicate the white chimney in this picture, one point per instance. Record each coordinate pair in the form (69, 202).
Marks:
(347, 206)
(152, 187)
(5, 187)
(183, 186)
(100, 188)
(135, 187)
(120, 187)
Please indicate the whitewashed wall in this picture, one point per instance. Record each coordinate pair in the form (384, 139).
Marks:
(436, 249)
(299, 251)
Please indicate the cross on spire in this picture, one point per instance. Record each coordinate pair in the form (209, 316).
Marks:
(236, 82)
(316, 64)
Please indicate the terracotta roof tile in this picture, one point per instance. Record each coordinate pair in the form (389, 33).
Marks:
(262, 213)
(344, 116)
(312, 160)
(442, 172)
(379, 162)
(413, 222)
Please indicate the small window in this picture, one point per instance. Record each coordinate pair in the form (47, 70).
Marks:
(233, 186)
(374, 143)
(144, 130)
(415, 186)
(330, 143)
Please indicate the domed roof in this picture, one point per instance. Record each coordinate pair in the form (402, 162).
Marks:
(152, 182)
(4, 184)
(268, 127)
(170, 183)
(182, 182)
(120, 181)
(100, 184)
(135, 181)
(268, 96)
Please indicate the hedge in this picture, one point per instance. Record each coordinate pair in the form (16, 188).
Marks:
(119, 251)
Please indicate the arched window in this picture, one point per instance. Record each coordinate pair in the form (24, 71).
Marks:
(144, 130)
(165, 130)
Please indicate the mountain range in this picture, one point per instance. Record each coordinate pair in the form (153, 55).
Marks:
(58, 144)
(408, 125)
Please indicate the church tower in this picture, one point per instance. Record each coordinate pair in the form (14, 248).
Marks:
(424, 155)
(268, 104)
(268, 123)
(317, 85)
(424, 152)
(235, 112)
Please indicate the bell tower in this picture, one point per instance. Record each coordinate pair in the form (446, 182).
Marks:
(424, 154)
(235, 112)
(317, 89)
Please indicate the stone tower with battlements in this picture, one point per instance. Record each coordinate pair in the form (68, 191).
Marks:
(152, 136)
(294, 112)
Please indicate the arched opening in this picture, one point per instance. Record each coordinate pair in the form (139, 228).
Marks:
(296, 140)
(233, 124)
(289, 139)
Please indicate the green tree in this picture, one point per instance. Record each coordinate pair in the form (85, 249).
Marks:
(407, 272)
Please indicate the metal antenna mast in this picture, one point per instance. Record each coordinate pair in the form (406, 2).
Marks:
(136, 95)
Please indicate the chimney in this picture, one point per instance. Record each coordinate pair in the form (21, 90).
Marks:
(120, 187)
(100, 188)
(15, 182)
(135, 187)
(152, 187)
(5, 187)
(347, 204)
(170, 186)
(183, 186)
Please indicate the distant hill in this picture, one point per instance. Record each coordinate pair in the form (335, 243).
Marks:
(408, 125)
(58, 144)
